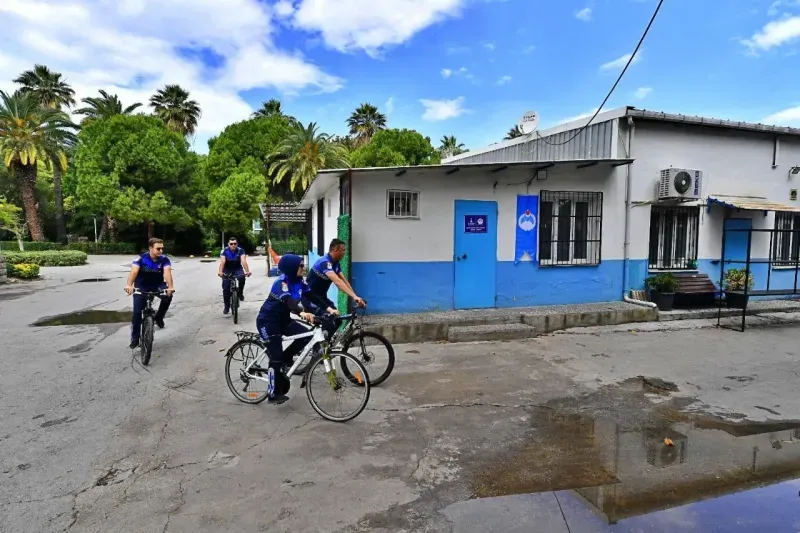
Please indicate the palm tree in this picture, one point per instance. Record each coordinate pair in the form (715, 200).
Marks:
(348, 141)
(269, 109)
(50, 91)
(105, 107)
(365, 121)
(303, 153)
(172, 105)
(29, 134)
(450, 147)
(513, 133)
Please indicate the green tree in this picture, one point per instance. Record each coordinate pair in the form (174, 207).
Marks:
(365, 122)
(396, 147)
(105, 107)
(303, 153)
(172, 105)
(269, 108)
(30, 134)
(130, 168)
(51, 91)
(235, 204)
(450, 146)
(10, 220)
(513, 133)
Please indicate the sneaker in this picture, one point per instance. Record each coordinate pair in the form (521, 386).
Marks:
(134, 344)
(226, 310)
(241, 297)
(159, 323)
(277, 400)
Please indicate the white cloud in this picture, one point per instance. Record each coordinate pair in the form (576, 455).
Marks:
(787, 117)
(774, 34)
(503, 80)
(528, 49)
(489, 46)
(776, 6)
(620, 62)
(213, 48)
(642, 92)
(370, 25)
(446, 72)
(453, 50)
(389, 105)
(284, 8)
(584, 14)
(436, 110)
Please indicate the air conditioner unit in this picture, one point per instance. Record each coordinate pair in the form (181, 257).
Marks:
(680, 183)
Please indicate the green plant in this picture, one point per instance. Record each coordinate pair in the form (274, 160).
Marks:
(297, 245)
(32, 246)
(47, 258)
(23, 270)
(663, 283)
(734, 280)
(108, 248)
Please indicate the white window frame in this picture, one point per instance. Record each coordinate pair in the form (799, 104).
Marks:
(778, 238)
(595, 206)
(413, 195)
(256, 225)
(677, 263)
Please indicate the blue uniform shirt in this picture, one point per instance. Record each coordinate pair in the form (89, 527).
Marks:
(318, 279)
(233, 258)
(275, 308)
(151, 271)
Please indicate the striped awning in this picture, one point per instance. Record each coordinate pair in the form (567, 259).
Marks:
(751, 203)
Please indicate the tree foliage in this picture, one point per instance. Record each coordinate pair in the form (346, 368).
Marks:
(396, 147)
(365, 122)
(46, 87)
(104, 107)
(303, 153)
(172, 105)
(235, 203)
(449, 146)
(513, 133)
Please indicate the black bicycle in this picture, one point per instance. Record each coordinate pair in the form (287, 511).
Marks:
(148, 323)
(234, 296)
(368, 346)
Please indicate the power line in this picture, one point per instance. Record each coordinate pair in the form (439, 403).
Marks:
(621, 74)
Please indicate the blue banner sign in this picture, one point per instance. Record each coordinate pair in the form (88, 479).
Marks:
(527, 221)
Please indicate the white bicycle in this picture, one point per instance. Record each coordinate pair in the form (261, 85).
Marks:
(246, 372)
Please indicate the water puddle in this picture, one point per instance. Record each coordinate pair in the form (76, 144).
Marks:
(93, 280)
(90, 317)
(682, 466)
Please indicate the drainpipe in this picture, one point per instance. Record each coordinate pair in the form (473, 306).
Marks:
(627, 243)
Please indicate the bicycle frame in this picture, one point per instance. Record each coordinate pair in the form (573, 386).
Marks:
(317, 336)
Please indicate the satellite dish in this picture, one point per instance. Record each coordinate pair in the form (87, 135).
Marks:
(529, 122)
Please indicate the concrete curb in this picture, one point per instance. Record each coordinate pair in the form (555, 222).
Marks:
(712, 313)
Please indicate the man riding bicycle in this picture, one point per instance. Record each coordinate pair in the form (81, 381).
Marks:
(232, 262)
(150, 272)
(289, 294)
(326, 270)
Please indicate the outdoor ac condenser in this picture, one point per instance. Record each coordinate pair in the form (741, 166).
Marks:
(680, 184)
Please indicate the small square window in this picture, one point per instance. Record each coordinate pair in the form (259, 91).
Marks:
(402, 204)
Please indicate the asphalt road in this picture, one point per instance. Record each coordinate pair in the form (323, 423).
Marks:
(462, 437)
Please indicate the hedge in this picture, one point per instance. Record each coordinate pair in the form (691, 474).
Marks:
(297, 245)
(23, 270)
(122, 248)
(47, 258)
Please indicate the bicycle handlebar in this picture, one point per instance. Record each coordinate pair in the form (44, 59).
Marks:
(159, 292)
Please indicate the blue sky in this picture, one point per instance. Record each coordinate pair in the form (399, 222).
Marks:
(468, 68)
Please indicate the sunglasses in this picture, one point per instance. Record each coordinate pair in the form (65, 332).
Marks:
(232, 243)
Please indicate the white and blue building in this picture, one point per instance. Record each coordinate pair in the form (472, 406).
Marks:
(636, 192)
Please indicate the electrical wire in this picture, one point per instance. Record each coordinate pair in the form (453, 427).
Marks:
(621, 74)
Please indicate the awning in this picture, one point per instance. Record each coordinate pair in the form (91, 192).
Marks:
(750, 203)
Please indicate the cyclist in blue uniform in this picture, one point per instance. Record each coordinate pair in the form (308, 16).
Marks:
(151, 271)
(232, 260)
(326, 270)
(289, 294)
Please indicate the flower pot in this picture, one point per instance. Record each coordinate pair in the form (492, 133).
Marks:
(663, 300)
(736, 300)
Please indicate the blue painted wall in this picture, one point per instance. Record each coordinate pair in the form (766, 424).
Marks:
(780, 278)
(409, 287)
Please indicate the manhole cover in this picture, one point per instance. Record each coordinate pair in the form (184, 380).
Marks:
(93, 280)
(208, 260)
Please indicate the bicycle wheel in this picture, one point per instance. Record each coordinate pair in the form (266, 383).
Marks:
(235, 307)
(369, 347)
(238, 357)
(146, 341)
(322, 382)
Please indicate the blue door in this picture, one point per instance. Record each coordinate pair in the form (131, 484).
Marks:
(736, 241)
(475, 254)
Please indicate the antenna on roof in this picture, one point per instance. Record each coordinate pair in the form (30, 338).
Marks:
(529, 122)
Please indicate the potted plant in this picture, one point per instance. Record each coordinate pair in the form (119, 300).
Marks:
(662, 289)
(734, 280)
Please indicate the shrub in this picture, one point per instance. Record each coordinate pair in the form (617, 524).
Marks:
(664, 283)
(32, 246)
(734, 280)
(23, 270)
(297, 245)
(47, 258)
(120, 248)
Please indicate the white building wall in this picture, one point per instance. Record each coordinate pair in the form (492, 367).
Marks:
(377, 238)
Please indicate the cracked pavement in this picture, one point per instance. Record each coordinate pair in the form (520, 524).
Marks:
(91, 441)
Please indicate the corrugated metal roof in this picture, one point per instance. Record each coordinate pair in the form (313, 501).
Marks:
(751, 203)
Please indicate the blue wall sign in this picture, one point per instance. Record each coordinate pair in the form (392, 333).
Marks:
(475, 223)
(527, 221)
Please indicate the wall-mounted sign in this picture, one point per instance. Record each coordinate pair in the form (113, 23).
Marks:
(475, 223)
(793, 195)
(527, 218)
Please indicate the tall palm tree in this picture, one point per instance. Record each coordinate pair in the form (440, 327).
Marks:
(365, 121)
(172, 105)
(303, 153)
(450, 147)
(513, 133)
(104, 107)
(348, 141)
(29, 134)
(269, 109)
(51, 91)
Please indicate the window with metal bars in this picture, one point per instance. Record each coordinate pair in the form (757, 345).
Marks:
(402, 204)
(786, 239)
(570, 228)
(673, 237)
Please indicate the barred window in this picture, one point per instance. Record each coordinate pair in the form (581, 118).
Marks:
(786, 239)
(570, 228)
(402, 204)
(673, 237)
